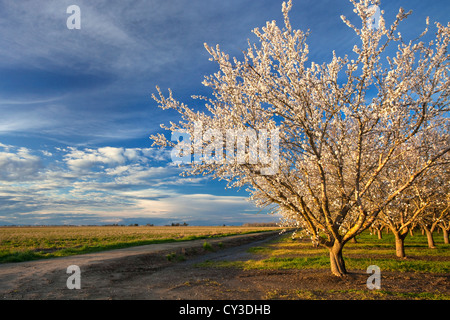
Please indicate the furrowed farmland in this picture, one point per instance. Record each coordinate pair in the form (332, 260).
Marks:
(31, 243)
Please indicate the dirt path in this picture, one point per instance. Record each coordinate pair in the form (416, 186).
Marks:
(142, 272)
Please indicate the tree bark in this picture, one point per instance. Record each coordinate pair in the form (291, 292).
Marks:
(380, 234)
(336, 260)
(400, 244)
(430, 239)
(445, 232)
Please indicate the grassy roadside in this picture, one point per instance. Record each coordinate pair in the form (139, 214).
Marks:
(18, 244)
(286, 253)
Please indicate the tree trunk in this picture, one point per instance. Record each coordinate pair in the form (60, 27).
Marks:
(430, 238)
(400, 244)
(336, 260)
(380, 234)
(445, 232)
(354, 240)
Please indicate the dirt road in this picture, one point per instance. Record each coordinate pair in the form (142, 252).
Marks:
(143, 272)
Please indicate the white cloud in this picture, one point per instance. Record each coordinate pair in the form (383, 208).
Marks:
(117, 170)
(18, 164)
(86, 159)
(79, 160)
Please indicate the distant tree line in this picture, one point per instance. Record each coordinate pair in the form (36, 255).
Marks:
(184, 224)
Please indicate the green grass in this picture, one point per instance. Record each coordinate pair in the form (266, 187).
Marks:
(395, 264)
(175, 257)
(354, 294)
(322, 262)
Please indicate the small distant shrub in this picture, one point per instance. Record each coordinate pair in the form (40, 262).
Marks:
(175, 257)
(207, 246)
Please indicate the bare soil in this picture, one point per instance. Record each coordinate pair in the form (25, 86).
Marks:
(170, 272)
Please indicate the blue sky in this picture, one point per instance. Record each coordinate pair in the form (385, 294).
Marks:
(76, 109)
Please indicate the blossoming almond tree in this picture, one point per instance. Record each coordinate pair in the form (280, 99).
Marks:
(437, 214)
(427, 197)
(341, 124)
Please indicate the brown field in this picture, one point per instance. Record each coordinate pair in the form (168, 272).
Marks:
(31, 243)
